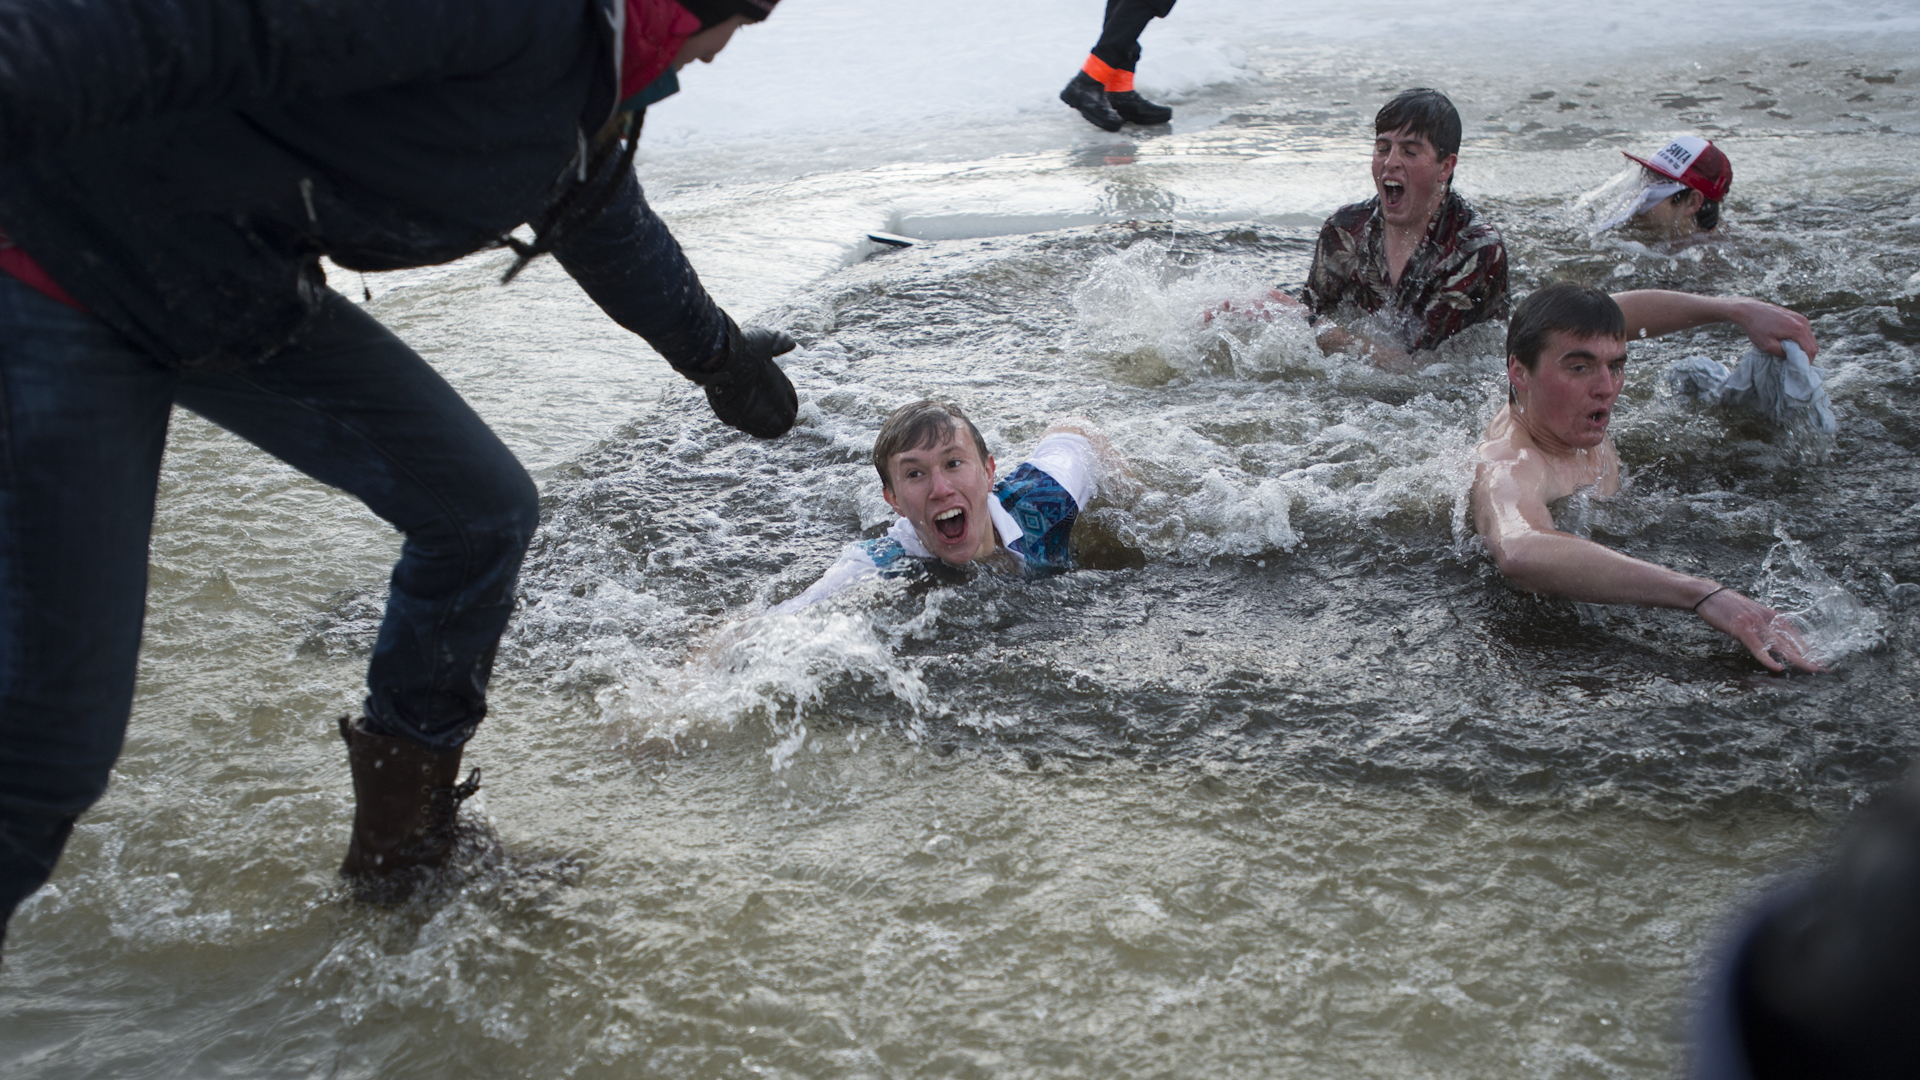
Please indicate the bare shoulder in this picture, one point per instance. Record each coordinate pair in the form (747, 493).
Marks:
(1506, 475)
(1500, 448)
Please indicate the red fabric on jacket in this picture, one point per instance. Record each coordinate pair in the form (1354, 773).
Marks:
(21, 265)
(655, 31)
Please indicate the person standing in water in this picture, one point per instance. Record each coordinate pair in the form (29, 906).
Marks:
(1566, 365)
(171, 172)
(1103, 90)
(936, 473)
(1681, 188)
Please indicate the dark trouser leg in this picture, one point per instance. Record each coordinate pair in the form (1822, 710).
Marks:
(1119, 44)
(83, 422)
(1103, 91)
(352, 406)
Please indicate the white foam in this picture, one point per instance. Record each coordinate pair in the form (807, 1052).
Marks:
(770, 670)
(1833, 623)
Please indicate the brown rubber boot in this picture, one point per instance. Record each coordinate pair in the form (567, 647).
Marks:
(406, 810)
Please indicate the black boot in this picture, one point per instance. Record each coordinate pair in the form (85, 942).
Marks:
(1087, 95)
(406, 811)
(1135, 109)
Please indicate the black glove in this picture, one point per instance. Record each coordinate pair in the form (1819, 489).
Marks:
(746, 389)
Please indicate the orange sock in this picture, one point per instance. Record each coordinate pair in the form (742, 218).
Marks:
(1115, 80)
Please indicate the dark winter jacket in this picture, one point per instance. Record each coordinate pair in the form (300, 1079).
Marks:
(179, 166)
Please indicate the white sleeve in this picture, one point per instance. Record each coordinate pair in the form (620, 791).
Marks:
(1071, 461)
(854, 565)
(902, 533)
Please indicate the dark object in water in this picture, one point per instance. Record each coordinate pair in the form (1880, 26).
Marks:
(406, 811)
(1822, 983)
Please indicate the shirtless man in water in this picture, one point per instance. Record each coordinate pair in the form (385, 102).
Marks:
(1566, 364)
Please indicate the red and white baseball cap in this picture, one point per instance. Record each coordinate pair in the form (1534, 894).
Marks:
(1695, 162)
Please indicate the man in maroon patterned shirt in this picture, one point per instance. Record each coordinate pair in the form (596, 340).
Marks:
(1414, 265)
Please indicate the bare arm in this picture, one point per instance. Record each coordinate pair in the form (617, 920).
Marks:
(1653, 312)
(1511, 514)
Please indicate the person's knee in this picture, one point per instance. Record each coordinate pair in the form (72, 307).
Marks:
(55, 789)
(520, 517)
(500, 534)
(61, 752)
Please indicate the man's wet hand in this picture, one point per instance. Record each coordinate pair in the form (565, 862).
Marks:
(1770, 636)
(1261, 307)
(746, 389)
(1767, 325)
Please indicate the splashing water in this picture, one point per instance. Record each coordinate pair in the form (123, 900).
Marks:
(1832, 622)
(773, 668)
(1161, 315)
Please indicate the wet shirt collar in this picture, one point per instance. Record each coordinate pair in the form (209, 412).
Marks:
(1442, 226)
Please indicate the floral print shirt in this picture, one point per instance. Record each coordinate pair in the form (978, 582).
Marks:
(1457, 277)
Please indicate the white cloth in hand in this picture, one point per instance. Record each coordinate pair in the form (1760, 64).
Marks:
(1787, 390)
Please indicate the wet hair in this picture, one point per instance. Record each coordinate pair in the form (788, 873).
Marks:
(916, 425)
(1425, 112)
(1564, 307)
(1706, 217)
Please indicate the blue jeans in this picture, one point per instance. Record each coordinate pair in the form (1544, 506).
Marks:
(83, 423)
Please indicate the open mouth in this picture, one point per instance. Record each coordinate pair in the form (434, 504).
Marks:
(1392, 192)
(951, 524)
(1598, 417)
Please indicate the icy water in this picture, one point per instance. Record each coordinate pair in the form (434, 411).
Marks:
(1288, 784)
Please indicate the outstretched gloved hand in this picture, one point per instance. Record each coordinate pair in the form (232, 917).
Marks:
(746, 389)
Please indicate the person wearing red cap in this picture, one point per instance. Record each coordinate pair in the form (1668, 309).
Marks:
(171, 174)
(1103, 90)
(1684, 183)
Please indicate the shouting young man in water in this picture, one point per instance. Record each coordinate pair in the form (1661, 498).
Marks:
(1416, 250)
(1415, 264)
(1566, 365)
(936, 473)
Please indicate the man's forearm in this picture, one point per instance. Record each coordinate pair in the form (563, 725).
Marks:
(1560, 564)
(631, 266)
(1652, 312)
(1335, 339)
